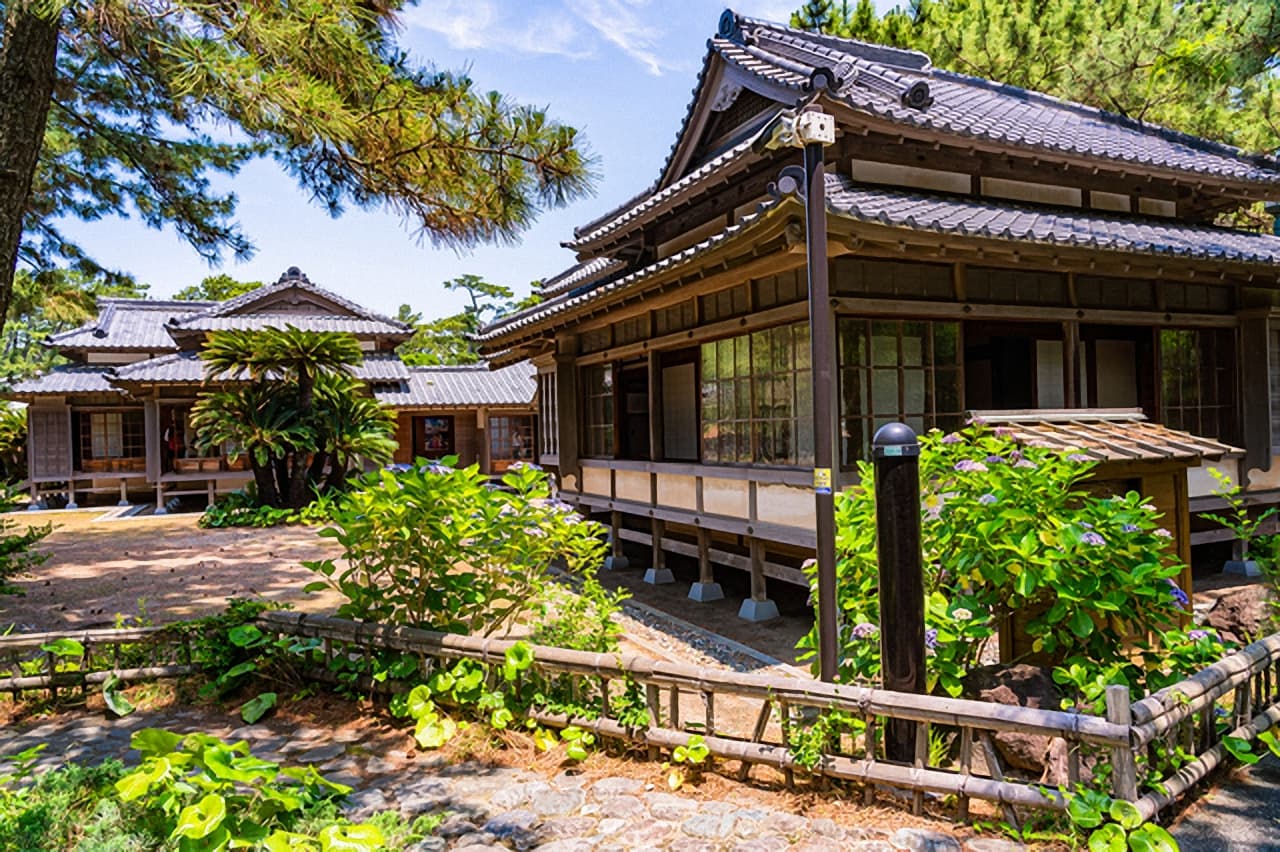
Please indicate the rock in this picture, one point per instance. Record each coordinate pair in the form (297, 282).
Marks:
(612, 825)
(923, 840)
(428, 844)
(553, 802)
(871, 846)
(668, 807)
(709, 826)
(616, 787)
(786, 825)
(512, 825)
(1241, 615)
(321, 754)
(625, 807)
(456, 826)
(1024, 686)
(649, 833)
(763, 844)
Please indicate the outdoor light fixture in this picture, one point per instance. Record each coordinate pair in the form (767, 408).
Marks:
(811, 130)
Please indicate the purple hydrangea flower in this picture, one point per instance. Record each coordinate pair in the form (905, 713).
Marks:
(987, 499)
(970, 466)
(1086, 525)
(523, 465)
(1003, 431)
(1197, 634)
(439, 469)
(1130, 528)
(995, 460)
(1024, 463)
(1093, 539)
(865, 630)
(931, 638)
(1179, 597)
(1162, 533)
(1078, 458)
(952, 438)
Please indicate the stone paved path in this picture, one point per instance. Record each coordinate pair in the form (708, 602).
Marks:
(1242, 814)
(490, 807)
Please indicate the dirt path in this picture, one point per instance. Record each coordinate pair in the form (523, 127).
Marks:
(102, 566)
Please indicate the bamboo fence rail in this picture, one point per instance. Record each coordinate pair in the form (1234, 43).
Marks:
(1239, 696)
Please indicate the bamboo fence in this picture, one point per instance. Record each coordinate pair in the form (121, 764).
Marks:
(1235, 697)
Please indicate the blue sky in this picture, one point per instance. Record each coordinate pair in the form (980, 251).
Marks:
(622, 71)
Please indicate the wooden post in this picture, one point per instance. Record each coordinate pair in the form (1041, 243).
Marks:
(1124, 770)
(657, 448)
(615, 561)
(706, 589)
(124, 492)
(658, 573)
(966, 768)
(758, 607)
(566, 403)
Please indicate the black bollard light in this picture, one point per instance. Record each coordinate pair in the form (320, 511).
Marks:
(896, 456)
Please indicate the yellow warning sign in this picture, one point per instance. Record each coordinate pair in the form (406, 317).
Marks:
(822, 479)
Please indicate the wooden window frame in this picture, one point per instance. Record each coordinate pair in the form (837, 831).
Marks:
(1213, 408)
(599, 412)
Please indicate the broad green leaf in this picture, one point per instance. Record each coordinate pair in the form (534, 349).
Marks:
(1084, 813)
(114, 699)
(360, 837)
(240, 670)
(1270, 740)
(1152, 838)
(1109, 838)
(1125, 813)
(419, 702)
(202, 818)
(1081, 624)
(155, 741)
(244, 635)
(139, 781)
(1241, 749)
(316, 586)
(64, 647)
(256, 708)
(434, 732)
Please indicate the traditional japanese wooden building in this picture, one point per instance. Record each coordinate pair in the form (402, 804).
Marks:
(990, 249)
(116, 418)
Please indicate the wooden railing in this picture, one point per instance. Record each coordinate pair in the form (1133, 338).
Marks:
(685, 701)
(131, 654)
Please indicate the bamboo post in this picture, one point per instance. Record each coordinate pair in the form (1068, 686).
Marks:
(1124, 770)
(869, 734)
(709, 716)
(966, 768)
(673, 698)
(921, 762)
(606, 705)
(784, 723)
(997, 774)
(762, 722)
(654, 702)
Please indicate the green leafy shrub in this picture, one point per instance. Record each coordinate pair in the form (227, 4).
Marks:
(67, 808)
(580, 619)
(242, 509)
(198, 792)
(1009, 529)
(17, 541)
(437, 547)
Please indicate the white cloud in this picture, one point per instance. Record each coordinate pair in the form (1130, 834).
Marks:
(622, 23)
(481, 25)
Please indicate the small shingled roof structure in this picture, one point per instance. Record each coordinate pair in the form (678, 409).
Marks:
(462, 386)
(64, 380)
(1104, 434)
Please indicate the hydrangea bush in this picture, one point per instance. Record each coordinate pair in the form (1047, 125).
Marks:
(1012, 529)
(442, 548)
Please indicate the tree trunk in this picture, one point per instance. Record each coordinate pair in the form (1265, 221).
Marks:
(337, 479)
(297, 486)
(281, 467)
(265, 482)
(28, 66)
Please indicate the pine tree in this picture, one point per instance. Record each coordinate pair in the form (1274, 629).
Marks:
(815, 15)
(106, 107)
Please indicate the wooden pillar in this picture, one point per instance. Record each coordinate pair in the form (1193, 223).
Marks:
(657, 450)
(758, 607)
(1071, 364)
(482, 441)
(566, 403)
(124, 492)
(1255, 365)
(615, 561)
(706, 589)
(658, 573)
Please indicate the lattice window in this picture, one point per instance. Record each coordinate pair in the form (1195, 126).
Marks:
(112, 435)
(893, 278)
(897, 371)
(1197, 381)
(548, 415)
(598, 416)
(757, 404)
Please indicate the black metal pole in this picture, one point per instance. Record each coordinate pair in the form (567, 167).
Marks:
(822, 341)
(896, 456)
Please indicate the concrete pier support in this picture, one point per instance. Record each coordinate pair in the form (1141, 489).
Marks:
(758, 607)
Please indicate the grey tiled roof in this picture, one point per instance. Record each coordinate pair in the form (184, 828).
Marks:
(574, 298)
(1050, 226)
(963, 217)
(873, 80)
(382, 367)
(350, 325)
(588, 272)
(187, 368)
(462, 386)
(292, 279)
(66, 380)
(137, 324)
